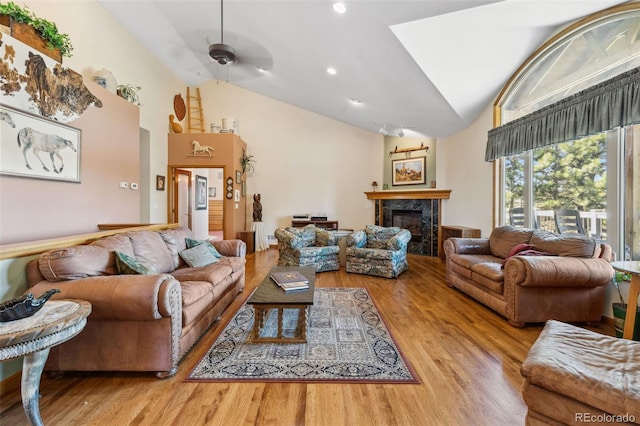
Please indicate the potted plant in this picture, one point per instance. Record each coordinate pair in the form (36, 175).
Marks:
(247, 162)
(41, 34)
(130, 93)
(620, 309)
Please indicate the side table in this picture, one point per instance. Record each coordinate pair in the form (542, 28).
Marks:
(249, 238)
(448, 231)
(32, 337)
(633, 268)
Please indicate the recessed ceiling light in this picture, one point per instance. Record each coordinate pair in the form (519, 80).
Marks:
(356, 101)
(339, 7)
(260, 69)
(332, 71)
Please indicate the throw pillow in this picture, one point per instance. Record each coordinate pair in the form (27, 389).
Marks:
(129, 265)
(192, 243)
(198, 255)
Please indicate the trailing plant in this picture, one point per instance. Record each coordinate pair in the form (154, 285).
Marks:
(247, 162)
(47, 29)
(130, 93)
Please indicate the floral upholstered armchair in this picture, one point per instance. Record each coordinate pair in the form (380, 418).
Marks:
(308, 246)
(378, 251)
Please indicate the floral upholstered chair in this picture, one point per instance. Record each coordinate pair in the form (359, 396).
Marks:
(378, 251)
(308, 246)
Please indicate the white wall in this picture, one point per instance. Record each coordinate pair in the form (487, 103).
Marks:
(461, 168)
(305, 162)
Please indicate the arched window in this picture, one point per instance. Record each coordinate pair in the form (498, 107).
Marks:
(597, 176)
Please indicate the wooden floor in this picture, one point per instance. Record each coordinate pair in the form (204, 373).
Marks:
(467, 358)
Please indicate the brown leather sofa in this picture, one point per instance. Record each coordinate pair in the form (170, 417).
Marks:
(531, 276)
(138, 322)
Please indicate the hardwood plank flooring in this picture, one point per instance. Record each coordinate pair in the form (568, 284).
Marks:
(467, 357)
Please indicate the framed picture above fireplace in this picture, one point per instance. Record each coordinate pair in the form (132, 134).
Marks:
(409, 171)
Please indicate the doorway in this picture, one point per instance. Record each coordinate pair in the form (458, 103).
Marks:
(182, 198)
(206, 220)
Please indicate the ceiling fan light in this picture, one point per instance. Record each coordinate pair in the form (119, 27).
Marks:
(222, 53)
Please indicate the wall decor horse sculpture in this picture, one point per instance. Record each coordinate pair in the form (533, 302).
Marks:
(197, 148)
(7, 119)
(38, 142)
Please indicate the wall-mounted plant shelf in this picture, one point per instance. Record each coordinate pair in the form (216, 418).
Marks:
(29, 36)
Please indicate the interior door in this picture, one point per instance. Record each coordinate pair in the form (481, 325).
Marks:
(182, 197)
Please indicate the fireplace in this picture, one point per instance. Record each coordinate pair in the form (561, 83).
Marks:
(410, 220)
(419, 213)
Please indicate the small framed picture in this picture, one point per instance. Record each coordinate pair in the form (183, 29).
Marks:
(160, 183)
(238, 176)
(201, 192)
(244, 188)
(212, 192)
(237, 195)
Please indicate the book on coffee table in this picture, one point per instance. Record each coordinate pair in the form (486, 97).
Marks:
(285, 277)
(290, 280)
(294, 286)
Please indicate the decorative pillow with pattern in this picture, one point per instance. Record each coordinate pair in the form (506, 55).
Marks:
(198, 256)
(128, 265)
(192, 243)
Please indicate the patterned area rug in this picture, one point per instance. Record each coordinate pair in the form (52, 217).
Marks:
(347, 341)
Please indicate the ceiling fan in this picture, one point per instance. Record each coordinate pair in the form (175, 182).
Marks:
(220, 52)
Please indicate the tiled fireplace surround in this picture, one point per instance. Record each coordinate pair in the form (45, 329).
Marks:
(415, 210)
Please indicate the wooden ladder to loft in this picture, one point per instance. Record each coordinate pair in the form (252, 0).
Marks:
(195, 120)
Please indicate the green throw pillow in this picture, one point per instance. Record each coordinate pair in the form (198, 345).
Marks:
(128, 265)
(198, 255)
(192, 243)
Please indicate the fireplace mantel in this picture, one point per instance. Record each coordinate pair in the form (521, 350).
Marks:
(411, 194)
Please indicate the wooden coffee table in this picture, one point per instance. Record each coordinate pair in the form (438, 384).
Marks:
(269, 296)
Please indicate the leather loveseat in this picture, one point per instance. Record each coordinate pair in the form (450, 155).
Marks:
(531, 276)
(139, 322)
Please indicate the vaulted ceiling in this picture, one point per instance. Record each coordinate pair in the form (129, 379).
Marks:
(429, 65)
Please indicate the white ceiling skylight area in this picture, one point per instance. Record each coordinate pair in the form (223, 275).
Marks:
(469, 55)
(429, 65)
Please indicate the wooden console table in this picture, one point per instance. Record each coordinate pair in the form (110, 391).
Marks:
(324, 224)
(448, 231)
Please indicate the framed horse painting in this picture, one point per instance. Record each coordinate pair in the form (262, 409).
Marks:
(35, 147)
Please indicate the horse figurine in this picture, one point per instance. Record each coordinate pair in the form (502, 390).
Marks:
(197, 148)
(7, 119)
(42, 142)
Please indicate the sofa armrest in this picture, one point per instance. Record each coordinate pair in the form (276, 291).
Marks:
(557, 271)
(121, 297)
(357, 239)
(456, 245)
(400, 240)
(232, 248)
(289, 238)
